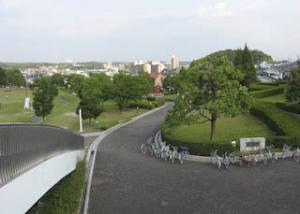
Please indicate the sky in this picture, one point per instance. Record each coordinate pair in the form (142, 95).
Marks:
(128, 30)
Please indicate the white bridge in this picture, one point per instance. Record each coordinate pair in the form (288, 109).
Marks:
(33, 158)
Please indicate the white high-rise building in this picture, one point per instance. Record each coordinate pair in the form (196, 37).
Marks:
(174, 62)
(147, 68)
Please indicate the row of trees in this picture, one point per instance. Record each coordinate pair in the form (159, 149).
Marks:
(11, 77)
(122, 88)
(93, 91)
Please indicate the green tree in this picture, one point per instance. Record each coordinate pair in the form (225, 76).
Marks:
(244, 62)
(171, 83)
(14, 78)
(2, 77)
(75, 83)
(127, 87)
(44, 93)
(218, 92)
(91, 98)
(58, 80)
(293, 87)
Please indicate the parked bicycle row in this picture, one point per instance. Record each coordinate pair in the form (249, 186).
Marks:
(266, 157)
(163, 151)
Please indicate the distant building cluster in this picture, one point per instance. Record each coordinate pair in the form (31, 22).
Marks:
(270, 72)
(157, 70)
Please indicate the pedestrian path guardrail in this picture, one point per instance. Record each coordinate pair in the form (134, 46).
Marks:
(24, 146)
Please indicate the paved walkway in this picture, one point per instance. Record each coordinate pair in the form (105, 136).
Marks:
(126, 181)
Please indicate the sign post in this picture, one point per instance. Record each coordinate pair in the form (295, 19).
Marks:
(80, 120)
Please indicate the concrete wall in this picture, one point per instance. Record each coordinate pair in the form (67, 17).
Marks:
(22, 193)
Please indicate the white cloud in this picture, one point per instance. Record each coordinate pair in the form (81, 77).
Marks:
(218, 10)
(8, 4)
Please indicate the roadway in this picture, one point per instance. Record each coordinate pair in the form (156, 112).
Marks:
(126, 181)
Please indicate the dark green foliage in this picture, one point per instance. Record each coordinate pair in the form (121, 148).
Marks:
(244, 62)
(293, 87)
(127, 88)
(258, 56)
(2, 77)
(65, 196)
(44, 93)
(75, 83)
(290, 107)
(92, 98)
(281, 122)
(58, 80)
(172, 83)
(11, 77)
(268, 92)
(204, 148)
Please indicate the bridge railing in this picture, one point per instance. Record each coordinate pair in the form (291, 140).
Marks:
(23, 146)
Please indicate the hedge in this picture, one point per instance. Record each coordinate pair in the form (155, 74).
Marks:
(268, 92)
(203, 149)
(279, 141)
(145, 104)
(279, 121)
(290, 107)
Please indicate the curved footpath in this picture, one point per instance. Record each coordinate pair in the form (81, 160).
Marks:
(126, 181)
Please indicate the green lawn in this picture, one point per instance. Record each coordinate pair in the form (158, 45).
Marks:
(227, 129)
(63, 113)
(278, 98)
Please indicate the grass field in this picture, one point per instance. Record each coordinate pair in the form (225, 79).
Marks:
(227, 129)
(63, 113)
(278, 98)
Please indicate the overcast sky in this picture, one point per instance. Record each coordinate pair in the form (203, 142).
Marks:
(126, 30)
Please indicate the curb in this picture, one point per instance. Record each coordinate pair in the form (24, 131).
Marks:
(92, 151)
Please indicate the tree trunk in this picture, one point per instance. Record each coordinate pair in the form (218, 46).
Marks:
(90, 122)
(213, 127)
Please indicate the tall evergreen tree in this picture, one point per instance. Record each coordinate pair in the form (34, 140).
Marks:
(244, 62)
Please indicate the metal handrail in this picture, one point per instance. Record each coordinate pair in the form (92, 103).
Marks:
(23, 146)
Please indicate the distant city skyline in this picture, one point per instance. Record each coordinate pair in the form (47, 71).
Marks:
(125, 31)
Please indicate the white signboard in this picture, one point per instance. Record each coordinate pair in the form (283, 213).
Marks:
(252, 144)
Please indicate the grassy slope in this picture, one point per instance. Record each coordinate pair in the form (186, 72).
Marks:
(227, 129)
(63, 113)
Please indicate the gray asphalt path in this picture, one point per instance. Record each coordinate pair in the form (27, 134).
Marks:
(126, 181)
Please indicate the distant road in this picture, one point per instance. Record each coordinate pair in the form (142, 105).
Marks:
(126, 181)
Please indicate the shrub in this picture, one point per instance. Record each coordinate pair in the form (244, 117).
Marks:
(159, 102)
(144, 104)
(204, 148)
(268, 92)
(281, 122)
(151, 98)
